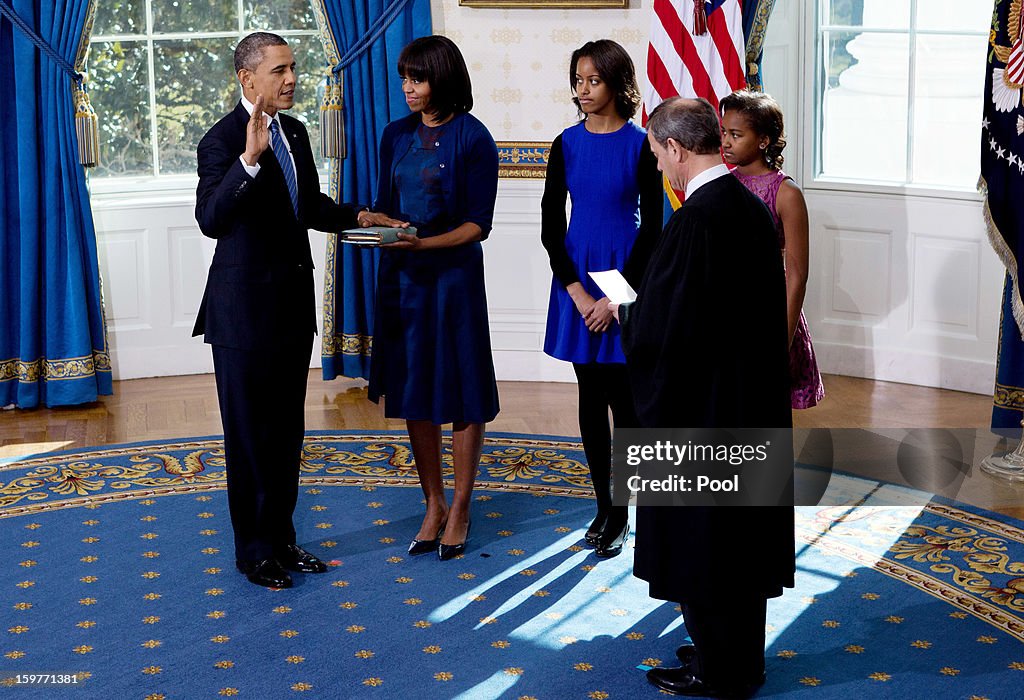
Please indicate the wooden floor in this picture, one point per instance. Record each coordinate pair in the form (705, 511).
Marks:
(175, 407)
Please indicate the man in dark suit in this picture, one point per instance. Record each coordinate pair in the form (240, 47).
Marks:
(258, 194)
(705, 346)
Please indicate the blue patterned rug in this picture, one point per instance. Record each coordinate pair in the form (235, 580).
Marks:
(117, 570)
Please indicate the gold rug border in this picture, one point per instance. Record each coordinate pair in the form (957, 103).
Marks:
(981, 609)
(1006, 530)
(191, 444)
(221, 485)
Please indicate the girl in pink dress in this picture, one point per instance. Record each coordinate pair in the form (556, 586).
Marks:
(752, 142)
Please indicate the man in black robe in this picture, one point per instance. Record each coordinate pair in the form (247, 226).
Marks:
(705, 346)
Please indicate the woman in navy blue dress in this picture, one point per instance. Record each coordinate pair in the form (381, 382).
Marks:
(431, 345)
(605, 166)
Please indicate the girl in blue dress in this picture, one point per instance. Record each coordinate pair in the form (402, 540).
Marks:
(431, 357)
(605, 166)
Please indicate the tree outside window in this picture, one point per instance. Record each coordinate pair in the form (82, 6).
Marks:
(160, 73)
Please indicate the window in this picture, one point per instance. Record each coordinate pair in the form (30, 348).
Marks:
(160, 73)
(898, 91)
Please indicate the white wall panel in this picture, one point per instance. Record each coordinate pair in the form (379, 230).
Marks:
(188, 257)
(168, 266)
(944, 276)
(518, 280)
(903, 289)
(119, 254)
(860, 288)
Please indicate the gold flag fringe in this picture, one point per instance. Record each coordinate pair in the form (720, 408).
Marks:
(332, 118)
(87, 128)
(755, 43)
(1005, 254)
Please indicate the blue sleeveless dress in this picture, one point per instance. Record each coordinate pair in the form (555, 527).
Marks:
(601, 176)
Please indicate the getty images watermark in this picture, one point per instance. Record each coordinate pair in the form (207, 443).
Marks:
(780, 467)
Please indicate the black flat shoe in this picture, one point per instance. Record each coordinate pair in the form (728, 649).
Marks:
(295, 558)
(450, 551)
(611, 545)
(265, 572)
(417, 547)
(593, 534)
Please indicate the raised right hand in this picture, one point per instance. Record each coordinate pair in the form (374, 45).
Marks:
(257, 135)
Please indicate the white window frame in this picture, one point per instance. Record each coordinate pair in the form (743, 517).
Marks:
(812, 113)
(157, 184)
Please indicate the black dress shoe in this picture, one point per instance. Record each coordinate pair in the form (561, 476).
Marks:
(450, 551)
(265, 572)
(678, 681)
(687, 654)
(295, 558)
(593, 534)
(682, 681)
(423, 546)
(611, 543)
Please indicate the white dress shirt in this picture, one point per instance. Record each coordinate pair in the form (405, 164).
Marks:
(703, 178)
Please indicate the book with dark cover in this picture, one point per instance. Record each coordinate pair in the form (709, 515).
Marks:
(374, 235)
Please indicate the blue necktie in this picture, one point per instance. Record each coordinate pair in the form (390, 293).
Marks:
(285, 159)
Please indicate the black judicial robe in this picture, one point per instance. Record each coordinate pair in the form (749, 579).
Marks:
(705, 346)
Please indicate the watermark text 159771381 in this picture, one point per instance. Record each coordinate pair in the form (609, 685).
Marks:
(10, 679)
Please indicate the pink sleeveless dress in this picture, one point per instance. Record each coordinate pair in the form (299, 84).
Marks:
(806, 387)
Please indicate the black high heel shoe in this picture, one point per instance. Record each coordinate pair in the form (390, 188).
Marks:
(424, 546)
(450, 551)
(593, 534)
(611, 544)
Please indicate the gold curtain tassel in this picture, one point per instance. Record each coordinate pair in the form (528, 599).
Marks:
(332, 117)
(87, 127)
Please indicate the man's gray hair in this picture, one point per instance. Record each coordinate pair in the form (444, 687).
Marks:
(693, 124)
(249, 52)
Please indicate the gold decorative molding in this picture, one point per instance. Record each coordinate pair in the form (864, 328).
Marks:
(519, 160)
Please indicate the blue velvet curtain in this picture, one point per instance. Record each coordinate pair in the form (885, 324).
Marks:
(53, 347)
(373, 97)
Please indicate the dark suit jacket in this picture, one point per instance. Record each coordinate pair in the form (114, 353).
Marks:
(259, 293)
(705, 346)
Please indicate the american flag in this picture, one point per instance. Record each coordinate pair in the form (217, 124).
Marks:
(696, 50)
(1002, 181)
(1015, 64)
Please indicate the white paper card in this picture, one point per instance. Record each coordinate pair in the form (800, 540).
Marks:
(614, 286)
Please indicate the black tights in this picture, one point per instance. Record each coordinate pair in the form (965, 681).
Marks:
(602, 386)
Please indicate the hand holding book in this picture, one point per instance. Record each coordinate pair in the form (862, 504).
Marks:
(376, 235)
(376, 229)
